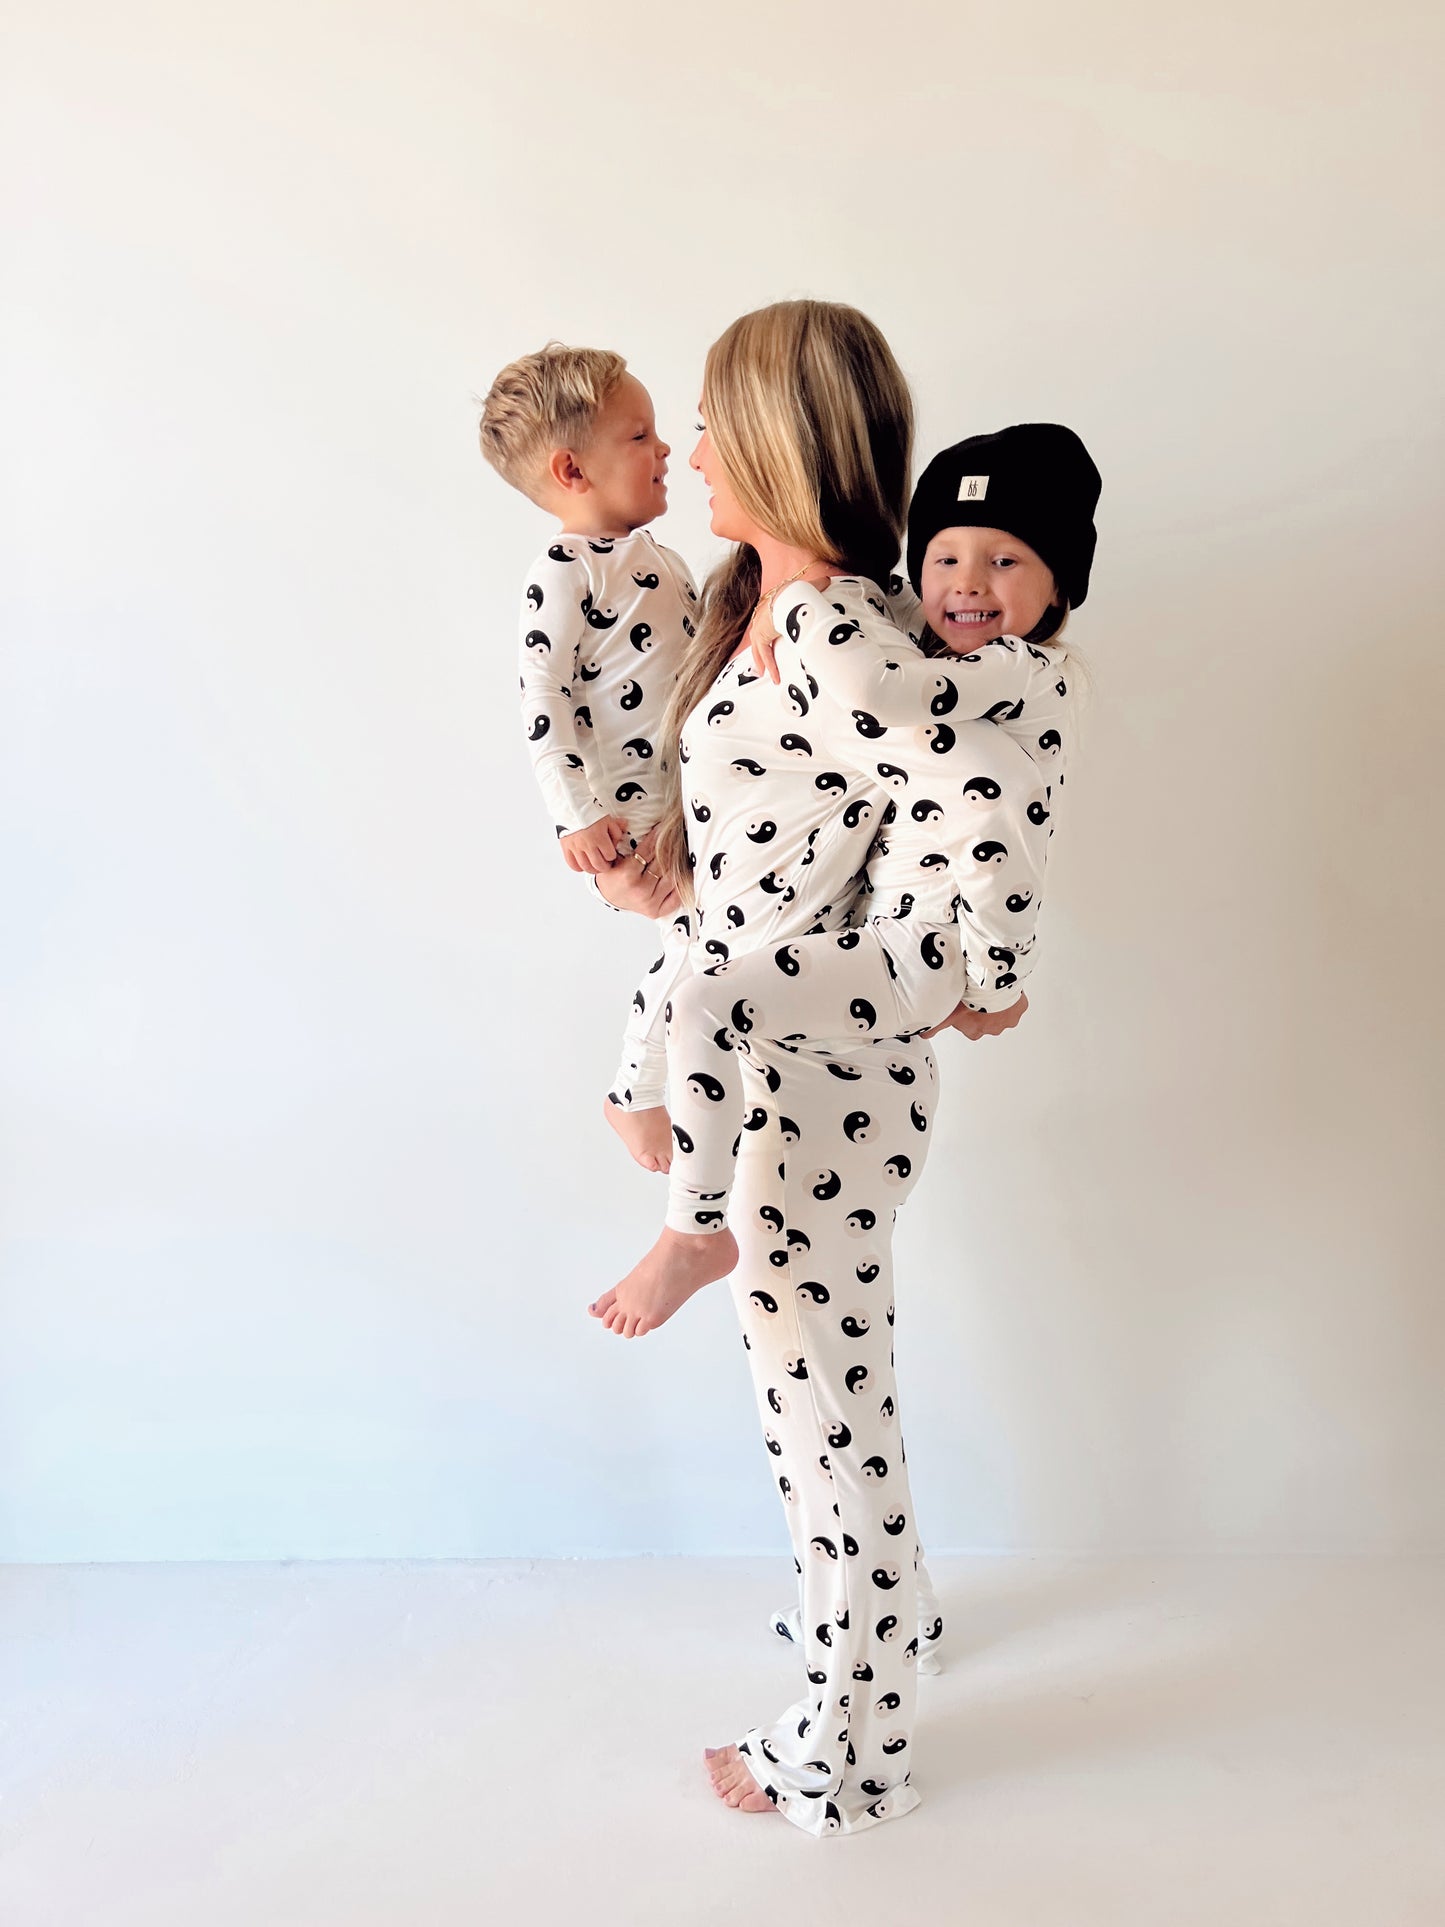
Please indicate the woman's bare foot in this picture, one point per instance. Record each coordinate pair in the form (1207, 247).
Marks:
(647, 1134)
(732, 1782)
(680, 1263)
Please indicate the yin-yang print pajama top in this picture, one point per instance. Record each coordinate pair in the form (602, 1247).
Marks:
(781, 814)
(954, 880)
(604, 622)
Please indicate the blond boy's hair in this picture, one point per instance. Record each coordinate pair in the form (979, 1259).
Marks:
(543, 402)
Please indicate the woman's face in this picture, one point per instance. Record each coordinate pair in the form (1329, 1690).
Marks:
(976, 584)
(728, 519)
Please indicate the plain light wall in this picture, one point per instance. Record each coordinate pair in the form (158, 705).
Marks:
(306, 1027)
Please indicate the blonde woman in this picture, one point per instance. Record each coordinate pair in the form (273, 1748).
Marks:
(767, 826)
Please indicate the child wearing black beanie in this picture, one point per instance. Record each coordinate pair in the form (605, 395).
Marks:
(1036, 487)
(954, 883)
(1000, 547)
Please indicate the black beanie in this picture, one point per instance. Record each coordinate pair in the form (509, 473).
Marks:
(1036, 482)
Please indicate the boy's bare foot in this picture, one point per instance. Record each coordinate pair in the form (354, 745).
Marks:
(647, 1134)
(732, 1782)
(680, 1263)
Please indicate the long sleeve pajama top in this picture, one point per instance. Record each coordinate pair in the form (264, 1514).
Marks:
(972, 749)
(604, 623)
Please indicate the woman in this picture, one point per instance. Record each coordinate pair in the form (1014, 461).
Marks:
(768, 826)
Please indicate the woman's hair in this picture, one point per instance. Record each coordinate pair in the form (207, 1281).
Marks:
(811, 421)
(544, 401)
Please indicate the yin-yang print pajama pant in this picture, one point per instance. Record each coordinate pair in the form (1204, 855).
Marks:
(813, 1215)
(889, 978)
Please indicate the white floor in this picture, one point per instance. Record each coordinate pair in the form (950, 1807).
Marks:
(1232, 1742)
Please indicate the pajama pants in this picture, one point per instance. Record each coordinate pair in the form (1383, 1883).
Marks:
(888, 978)
(641, 1079)
(787, 1622)
(814, 1294)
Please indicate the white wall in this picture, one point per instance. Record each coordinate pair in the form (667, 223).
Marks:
(307, 1189)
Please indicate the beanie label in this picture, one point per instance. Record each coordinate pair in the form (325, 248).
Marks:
(973, 488)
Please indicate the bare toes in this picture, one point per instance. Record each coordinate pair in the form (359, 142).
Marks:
(733, 1782)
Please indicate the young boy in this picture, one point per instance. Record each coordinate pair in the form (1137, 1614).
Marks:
(606, 614)
(1000, 545)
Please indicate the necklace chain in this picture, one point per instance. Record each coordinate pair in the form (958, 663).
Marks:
(770, 596)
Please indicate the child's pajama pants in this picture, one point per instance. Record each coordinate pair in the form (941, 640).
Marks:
(641, 1079)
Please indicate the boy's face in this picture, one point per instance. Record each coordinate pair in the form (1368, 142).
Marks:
(625, 461)
(976, 584)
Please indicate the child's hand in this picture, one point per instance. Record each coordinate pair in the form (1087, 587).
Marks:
(981, 1023)
(595, 849)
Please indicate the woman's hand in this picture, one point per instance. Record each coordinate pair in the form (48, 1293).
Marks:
(981, 1023)
(633, 884)
(763, 635)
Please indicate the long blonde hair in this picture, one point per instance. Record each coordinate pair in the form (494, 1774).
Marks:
(812, 422)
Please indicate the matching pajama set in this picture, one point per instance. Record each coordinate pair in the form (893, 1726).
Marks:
(954, 878)
(604, 624)
(784, 799)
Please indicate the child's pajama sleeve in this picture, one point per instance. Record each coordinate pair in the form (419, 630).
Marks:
(851, 647)
(553, 628)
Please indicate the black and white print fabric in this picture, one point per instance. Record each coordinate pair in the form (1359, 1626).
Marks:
(640, 1081)
(958, 854)
(605, 621)
(970, 829)
(813, 1289)
(604, 624)
(783, 801)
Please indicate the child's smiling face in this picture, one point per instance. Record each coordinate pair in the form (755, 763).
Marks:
(625, 460)
(976, 584)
